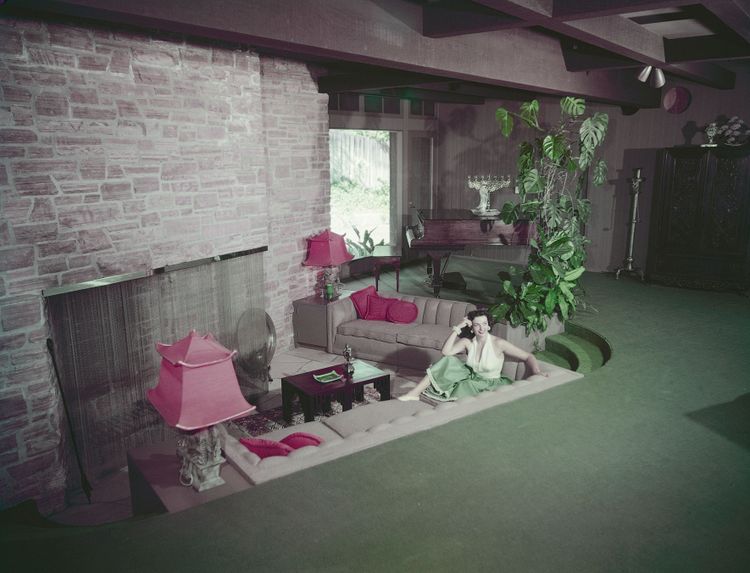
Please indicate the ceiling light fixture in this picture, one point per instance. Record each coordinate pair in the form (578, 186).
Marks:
(653, 76)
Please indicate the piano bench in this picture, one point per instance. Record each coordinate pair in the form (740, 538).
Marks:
(380, 262)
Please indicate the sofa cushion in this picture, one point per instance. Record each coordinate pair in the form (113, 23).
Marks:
(402, 312)
(301, 439)
(377, 307)
(317, 428)
(365, 417)
(266, 448)
(359, 299)
(373, 329)
(424, 335)
(445, 312)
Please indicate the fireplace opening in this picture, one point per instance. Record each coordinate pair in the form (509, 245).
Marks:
(104, 334)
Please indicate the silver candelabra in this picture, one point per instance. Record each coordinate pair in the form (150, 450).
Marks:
(487, 184)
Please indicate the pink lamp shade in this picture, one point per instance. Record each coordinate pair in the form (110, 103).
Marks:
(197, 384)
(327, 249)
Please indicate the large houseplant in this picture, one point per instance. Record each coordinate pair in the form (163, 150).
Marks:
(552, 174)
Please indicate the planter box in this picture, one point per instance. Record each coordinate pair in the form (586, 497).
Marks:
(530, 343)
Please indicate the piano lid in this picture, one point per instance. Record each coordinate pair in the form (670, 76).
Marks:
(451, 215)
(455, 228)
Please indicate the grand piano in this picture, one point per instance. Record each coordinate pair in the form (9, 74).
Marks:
(439, 232)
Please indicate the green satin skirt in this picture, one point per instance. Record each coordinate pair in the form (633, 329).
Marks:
(451, 379)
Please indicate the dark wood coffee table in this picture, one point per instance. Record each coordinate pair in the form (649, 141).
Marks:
(312, 394)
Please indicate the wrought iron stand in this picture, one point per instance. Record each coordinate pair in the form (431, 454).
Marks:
(628, 266)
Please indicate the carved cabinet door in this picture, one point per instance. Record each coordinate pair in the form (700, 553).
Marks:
(726, 225)
(700, 220)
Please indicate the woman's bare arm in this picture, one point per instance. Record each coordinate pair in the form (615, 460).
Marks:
(512, 351)
(455, 345)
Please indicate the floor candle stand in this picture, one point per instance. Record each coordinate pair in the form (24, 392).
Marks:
(628, 263)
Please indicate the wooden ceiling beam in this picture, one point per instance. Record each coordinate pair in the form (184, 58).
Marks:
(616, 34)
(382, 33)
(428, 95)
(581, 9)
(445, 19)
(482, 91)
(371, 80)
(580, 57)
(705, 48)
(735, 14)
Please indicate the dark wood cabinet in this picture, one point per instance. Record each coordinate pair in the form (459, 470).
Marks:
(700, 219)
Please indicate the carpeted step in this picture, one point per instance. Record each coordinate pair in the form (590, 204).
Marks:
(553, 358)
(592, 336)
(556, 345)
(588, 356)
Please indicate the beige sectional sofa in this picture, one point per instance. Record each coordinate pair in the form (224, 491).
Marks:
(373, 424)
(415, 345)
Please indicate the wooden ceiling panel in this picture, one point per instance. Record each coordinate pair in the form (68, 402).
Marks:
(577, 47)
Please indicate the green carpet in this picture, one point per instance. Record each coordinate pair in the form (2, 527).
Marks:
(642, 465)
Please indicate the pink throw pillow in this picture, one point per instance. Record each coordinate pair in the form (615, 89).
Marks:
(301, 439)
(359, 299)
(377, 307)
(266, 448)
(402, 312)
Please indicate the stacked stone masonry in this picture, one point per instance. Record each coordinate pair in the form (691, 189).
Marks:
(124, 151)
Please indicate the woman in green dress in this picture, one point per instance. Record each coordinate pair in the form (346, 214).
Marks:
(450, 378)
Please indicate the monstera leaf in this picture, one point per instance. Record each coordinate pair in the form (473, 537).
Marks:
(505, 120)
(573, 106)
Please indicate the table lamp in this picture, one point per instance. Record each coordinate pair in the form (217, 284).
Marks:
(328, 250)
(198, 389)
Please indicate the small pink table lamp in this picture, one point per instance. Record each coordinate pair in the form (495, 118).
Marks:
(328, 250)
(198, 389)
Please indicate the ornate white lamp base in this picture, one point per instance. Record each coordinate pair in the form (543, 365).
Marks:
(200, 452)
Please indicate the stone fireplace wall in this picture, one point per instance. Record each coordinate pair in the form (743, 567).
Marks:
(123, 150)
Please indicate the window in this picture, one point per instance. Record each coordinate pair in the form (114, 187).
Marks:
(361, 186)
(381, 163)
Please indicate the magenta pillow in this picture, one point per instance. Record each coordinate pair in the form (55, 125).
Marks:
(301, 439)
(377, 307)
(402, 312)
(359, 299)
(266, 448)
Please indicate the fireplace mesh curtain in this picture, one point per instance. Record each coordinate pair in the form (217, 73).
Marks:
(105, 340)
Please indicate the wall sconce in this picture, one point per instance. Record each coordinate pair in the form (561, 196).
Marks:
(652, 76)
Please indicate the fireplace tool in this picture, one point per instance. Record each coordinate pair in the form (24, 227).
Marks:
(85, 485)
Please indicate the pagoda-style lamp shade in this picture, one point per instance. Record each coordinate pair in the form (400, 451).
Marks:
(328, 250)
(198, 389)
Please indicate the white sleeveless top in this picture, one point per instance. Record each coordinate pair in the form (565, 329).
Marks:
(489, 364)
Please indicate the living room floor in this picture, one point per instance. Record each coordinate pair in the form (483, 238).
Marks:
(110, 497)
(642, 465)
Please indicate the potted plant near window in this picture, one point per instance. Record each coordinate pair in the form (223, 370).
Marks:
(552, 175)
(365, 244)
(361, 248)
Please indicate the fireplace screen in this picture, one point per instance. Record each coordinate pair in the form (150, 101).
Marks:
(104, 341)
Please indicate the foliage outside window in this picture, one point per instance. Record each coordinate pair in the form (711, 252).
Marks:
(360, 185)
(552, 172)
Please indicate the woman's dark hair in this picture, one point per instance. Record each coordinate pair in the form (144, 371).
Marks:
(466, 331)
